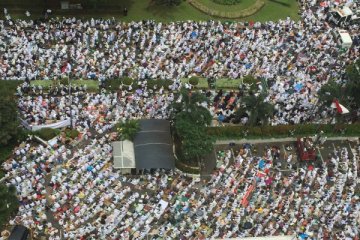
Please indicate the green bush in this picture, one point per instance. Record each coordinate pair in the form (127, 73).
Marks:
(112, 84)
(166, 83)
(64, 81)
(227, 2)
(250, 79)
(153, 84)
(127, 81)
(194, 81)
(71, 133)
(47, 133)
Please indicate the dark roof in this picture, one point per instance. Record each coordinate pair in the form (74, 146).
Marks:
(153, 145)
(19, 232)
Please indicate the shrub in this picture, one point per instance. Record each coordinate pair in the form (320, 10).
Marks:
(128, 129)
(127, 81)
(71, 133)
(153, 84)
(112, 84)
(250, 79)
(64, 81)
(194, 81)
(166, 83)
(47, 133)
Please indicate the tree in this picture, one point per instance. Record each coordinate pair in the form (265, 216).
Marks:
(353, 83)
(8, 203)
(258, 110)
(128, 129)
(189, 104)
(190, 121)
(168, 3)
(9, 121)
(329, 91)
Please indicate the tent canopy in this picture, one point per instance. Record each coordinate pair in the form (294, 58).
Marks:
(153, 145)
(123, 154)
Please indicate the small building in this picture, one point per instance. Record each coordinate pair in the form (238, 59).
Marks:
(152, 149)
(124, 157)
(153, 145)
(19, 232)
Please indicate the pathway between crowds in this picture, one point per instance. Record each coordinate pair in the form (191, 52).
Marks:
(268, 140)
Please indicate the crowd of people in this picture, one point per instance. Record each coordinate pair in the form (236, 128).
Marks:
(75, 193)
(248, 194)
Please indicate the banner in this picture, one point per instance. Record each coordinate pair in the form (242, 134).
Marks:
(59, 124)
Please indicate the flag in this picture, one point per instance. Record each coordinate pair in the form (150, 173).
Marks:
(66, 68)
(245, 201)
(340, 108)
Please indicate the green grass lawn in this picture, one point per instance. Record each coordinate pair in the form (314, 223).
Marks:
(142, 9)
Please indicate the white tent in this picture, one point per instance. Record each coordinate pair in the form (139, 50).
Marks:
(124, 156)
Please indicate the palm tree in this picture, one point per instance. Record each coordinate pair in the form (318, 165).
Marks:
(258, 110)
(128, 129)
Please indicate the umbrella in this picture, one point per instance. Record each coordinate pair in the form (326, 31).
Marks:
(261, 164)
(310, 167)
(199, 213)
(247, 225)
(221, 118)
(193, 35)
(298, 87)
(139, 91)
(248, 65)
(89, 168)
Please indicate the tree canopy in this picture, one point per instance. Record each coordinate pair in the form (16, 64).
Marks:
(9, 121)
(190, 121)
(258, 110)
(8, 203)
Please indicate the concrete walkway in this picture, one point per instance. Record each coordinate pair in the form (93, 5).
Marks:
(268, 140)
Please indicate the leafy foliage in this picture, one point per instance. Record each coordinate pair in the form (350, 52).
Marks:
(259, 110)
(71, 133)
(127, 81)
(353, 84)
(9, 121)
(190, 121)
(128, 129)
(194, 81)
(47, 133)
(9, 203)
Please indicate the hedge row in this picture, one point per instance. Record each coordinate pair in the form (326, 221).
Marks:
(155, 84)
(237, 132)
(231, 13)
(47, 133)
